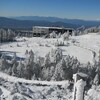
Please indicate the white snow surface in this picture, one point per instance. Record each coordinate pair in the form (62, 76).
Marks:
(13, 87)
(93, 93)
(82, 47)
(16, 79)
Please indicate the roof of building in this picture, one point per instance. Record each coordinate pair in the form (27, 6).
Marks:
(52, 27)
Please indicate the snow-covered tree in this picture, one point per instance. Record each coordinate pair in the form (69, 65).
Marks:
(96, 79)
(29, 57)
(6, 35)
(56, 54)
(59, 72)
(20, 69)
(47, 60)
(29, 65)
(53, 35)
(14, 70)
(3, 63)
(14, 58)
(66, 36)
(59, 35)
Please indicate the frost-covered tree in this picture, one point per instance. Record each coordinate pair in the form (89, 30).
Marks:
(47, 60)
(3, 63)
(53, 35)
(96, 80)
(29, 57)
(29, 65)
(45, 73)
(6, 35)
(20, 69)
(66, 36)
(11, 35)
(26, 53)
(28, 72)
(59, 35)
(14, 70)
(59, 72)
(13, 61)
(31, 53)
(56, 54)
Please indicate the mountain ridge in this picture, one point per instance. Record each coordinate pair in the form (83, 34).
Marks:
(15, 23)
(27, 22)
(56, 19)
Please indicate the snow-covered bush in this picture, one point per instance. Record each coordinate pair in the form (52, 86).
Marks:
(54, 66)
(53, 35)
(65, 36)
(59, 43)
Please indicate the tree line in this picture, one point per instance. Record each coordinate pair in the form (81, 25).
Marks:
(54, 66)
(7, 35)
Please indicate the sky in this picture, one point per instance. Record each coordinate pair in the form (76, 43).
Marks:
(73, 9)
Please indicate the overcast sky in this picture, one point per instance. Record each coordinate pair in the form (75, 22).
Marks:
(77, 9)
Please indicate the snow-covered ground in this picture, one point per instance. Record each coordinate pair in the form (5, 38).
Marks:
(13, 88)
(82, 48)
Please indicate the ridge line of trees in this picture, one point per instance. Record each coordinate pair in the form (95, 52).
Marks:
(7, 35)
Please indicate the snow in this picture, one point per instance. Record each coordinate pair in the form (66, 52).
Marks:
(50, 27)
(40, 92)
(33, 90)
(5, 92)
(80, 84)
(82, 48)
(93, 93)
(16, 79)
(82, 74)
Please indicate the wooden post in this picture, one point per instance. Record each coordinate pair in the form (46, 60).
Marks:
(79, 84)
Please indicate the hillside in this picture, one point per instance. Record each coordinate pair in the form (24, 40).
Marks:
(28, 24)
(87, 23)
(14, 88)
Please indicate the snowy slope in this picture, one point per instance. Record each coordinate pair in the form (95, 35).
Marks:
(13, 87)
(82, 48)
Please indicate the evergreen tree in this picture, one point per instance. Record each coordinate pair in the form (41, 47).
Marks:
(3, 64)
(57, 55)
(20, 69)
(29, 65)
(14, 70)
(59, 73)
(47, 60)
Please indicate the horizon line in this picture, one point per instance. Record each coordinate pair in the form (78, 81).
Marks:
(51, 17)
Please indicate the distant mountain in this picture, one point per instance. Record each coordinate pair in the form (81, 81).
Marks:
(28, 24)
(87, 23)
